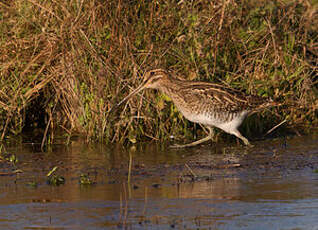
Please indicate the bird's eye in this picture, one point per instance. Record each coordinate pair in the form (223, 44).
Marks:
(152, 73)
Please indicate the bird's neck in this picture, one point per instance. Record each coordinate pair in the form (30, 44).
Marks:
(171, 87)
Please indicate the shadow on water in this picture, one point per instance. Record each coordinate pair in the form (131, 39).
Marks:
(270, 186)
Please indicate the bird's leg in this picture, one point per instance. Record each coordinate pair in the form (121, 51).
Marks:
(239, 135)
(211, 132)
(207, 138)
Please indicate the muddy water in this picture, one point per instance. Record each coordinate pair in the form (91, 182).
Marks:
(273, 185)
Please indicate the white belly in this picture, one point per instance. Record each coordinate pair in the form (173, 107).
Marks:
(226, 125)
(232, 125)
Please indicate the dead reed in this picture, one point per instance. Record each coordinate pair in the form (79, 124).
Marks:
(64, 64)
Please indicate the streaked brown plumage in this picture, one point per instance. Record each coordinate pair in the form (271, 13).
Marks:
(211, 105)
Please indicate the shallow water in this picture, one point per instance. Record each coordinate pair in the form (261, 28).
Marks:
(270, 186)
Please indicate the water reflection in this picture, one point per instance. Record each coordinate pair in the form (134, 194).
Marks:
(256, 195)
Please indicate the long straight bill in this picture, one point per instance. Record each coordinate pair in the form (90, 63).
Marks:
(137, 90)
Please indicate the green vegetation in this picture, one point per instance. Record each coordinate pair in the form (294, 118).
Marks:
(65, 64)
(32, 184)
(54, 179)
(85, 180)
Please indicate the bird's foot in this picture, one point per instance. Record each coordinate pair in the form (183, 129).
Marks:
(207, 138)
(249, 145)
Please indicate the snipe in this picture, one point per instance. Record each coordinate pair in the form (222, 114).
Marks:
(208, 104)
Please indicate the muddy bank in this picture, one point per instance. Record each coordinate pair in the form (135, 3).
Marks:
(110, 164)
(279, 157)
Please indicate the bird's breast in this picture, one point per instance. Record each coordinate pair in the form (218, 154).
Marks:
(202, 118)
(222, 119)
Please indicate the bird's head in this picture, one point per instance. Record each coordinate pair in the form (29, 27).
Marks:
(151, 79)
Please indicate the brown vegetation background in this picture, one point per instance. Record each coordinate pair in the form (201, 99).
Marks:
(65, 64)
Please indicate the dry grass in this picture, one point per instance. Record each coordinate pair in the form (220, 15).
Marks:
(67, 63)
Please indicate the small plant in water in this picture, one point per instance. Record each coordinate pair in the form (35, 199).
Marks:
(33, 184)
(55, 179)
(85, 180)
(12, 159)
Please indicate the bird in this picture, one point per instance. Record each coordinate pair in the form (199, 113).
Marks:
(209, 104)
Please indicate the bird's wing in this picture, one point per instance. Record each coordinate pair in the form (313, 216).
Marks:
(222, 97)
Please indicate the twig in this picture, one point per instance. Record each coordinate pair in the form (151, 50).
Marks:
(45, 134)
(129, 168)
(11, 173)
(47, 10)
(222, 14)
(275, 127)
(5, 127)
(273, 36)
(190, 170)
